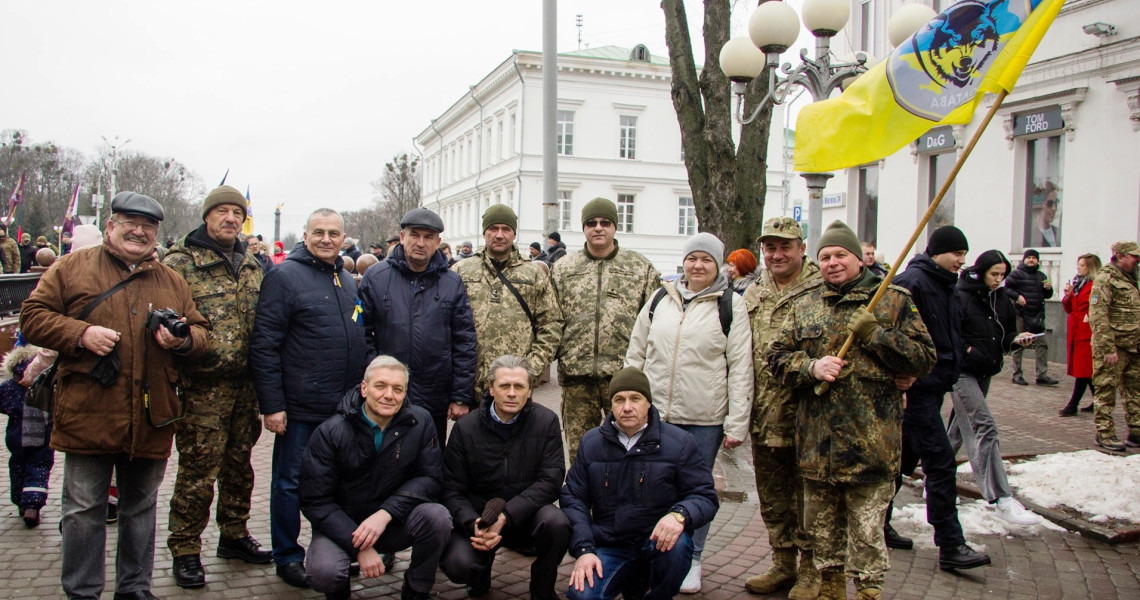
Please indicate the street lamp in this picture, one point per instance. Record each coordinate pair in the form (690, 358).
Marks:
(772, 29)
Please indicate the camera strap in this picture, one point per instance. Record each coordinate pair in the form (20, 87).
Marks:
(107, 294)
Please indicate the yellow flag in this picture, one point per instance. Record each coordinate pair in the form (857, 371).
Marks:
(247, 226)
(936, 77)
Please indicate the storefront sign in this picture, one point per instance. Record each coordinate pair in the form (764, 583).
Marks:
(1038, 122)
(939, 138)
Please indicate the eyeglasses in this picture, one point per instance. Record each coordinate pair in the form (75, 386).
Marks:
(146, 226)
(605, 223)
(1050, 204)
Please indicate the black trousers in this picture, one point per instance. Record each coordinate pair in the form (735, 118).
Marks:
(549, 530)
(925, 441)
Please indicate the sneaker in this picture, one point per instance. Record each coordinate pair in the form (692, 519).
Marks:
(1012, 511)
(692, 582)
(1110, 444)
(961, 557)
(1047, 380)
(1019, 380)
(112, 513)
(1132, 441)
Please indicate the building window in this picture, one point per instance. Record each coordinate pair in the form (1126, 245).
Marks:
(1043, 192)
(565, 211)
(869, 204)
(514, 125)
(487, 149)
(499, 146)
(625, 213)
(471, 155)
(940, 167)
(865, 25)
(565, 139)
(627, 147)
(686, 217)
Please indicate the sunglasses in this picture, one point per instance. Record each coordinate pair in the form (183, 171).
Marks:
(605, 223)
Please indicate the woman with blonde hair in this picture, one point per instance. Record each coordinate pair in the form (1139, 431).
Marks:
(1079, 335)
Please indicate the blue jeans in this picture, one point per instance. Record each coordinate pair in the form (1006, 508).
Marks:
(708, 438)
(634, 570)
(86, 479)
(284, 502)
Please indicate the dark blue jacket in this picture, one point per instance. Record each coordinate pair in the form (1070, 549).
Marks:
(344, 480)
(307, 348)
(614, 497)
(424, 320)
(1029, 282)
(933, 291)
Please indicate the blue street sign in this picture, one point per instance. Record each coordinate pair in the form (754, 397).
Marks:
(798, 213)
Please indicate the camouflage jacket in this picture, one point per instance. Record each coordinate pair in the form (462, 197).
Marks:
(601, 299)
(11, 255)
(227, 299)
(1114, 311)
(773, 412)
(853, 432)
(501, 325)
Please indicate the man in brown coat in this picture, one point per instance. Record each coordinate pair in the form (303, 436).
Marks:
(115, 390)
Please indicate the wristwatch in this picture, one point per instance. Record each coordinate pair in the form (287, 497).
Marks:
(679, 516)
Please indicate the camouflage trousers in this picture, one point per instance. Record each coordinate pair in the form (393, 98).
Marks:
(1125, 376)
(781, 492)
(846, 520)
(214, 444)
(584, 405)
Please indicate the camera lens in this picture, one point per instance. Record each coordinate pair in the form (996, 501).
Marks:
(178, 328)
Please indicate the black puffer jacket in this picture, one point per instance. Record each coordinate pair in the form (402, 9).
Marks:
(344, 480)
(615, 497)
(307, 347)
(424, 320)
(555, 252)
(1029, 282)
(932, 290)
(989, 324)
(526, 469)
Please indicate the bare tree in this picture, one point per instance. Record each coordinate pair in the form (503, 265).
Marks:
(727, 180)
(398, 190)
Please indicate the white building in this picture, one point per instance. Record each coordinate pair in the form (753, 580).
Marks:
(1056, 170)
(618, 138)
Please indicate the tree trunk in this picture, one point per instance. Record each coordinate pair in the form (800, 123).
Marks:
(727, 180)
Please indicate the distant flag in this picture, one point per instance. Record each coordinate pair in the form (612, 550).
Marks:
(17, 196)
(69, 216)
(223, 181)
(936, 77)
(247, 227)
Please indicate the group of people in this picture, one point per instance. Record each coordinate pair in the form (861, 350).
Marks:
(26, 257)
(357, 382)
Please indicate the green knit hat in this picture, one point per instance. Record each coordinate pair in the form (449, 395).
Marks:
(630, 379)
(224, 195)
(500, 214)
(839, 234)
(599, 208)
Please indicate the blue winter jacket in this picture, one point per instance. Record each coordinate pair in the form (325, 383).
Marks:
(933, 291)
(307, 347)
(614, 497)
(344, 480)
(425, 321)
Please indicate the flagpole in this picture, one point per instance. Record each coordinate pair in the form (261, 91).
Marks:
(821, 387)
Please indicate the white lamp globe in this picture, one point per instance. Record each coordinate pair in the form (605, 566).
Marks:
(825, 18)
(907, 20)
(741, 60)
(773, 27)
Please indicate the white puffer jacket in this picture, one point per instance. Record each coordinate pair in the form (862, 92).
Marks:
(697, 375)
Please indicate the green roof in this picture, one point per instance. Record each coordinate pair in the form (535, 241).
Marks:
(614, 53)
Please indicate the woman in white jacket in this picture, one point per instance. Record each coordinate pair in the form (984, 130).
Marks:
(701, 377)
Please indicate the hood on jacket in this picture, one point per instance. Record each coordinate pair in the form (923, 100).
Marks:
(17, 360)
(924, 263)
(972, 279)
(301, 254)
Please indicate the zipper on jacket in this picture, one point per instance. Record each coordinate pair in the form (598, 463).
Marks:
(598, 315)
(606, 478)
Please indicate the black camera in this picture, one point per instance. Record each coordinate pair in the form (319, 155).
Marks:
(167, 318)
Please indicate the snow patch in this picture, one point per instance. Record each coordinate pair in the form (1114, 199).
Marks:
(1100, 486)
(977, 518)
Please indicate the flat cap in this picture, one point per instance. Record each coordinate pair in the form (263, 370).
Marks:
(133, 203)
(422, 217)
(783, 227)
(393, 239)
(1126, 247)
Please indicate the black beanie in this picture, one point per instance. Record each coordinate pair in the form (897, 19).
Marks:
(554, 235)
(1031, 252)
(630, 379)
(988, 259)
(536, 246)
(947, 238)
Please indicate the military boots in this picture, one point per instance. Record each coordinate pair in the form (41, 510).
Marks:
(782, 573)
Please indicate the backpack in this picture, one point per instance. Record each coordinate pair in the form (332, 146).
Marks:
(724, 305)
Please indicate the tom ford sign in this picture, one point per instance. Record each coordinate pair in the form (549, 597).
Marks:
(1038, 122)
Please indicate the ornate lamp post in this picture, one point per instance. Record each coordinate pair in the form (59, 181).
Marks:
(772, 29)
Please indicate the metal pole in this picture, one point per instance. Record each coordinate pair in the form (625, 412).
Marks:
(815, 184)
(277, 224)
(549, 111)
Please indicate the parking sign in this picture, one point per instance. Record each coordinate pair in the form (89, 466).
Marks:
(798, 213)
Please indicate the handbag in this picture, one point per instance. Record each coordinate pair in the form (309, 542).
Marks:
(42, 391)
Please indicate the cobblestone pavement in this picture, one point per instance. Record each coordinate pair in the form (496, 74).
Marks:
(1049, 565)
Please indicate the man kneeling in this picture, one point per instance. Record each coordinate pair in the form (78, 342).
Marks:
(636, 491)
(367, 481)
(502, 469)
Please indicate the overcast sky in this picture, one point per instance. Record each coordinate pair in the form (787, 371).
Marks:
(304, 102)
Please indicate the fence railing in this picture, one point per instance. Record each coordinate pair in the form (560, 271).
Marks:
(14, 289)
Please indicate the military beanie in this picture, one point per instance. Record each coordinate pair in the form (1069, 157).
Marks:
(599, 208)
(223, 195)
(630, 379)
(947, 238)
(500, 214)
(839, 234)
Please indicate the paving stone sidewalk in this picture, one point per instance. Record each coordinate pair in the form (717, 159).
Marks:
(1049, 565)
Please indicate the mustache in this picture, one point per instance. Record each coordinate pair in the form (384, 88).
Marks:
(130, 237)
